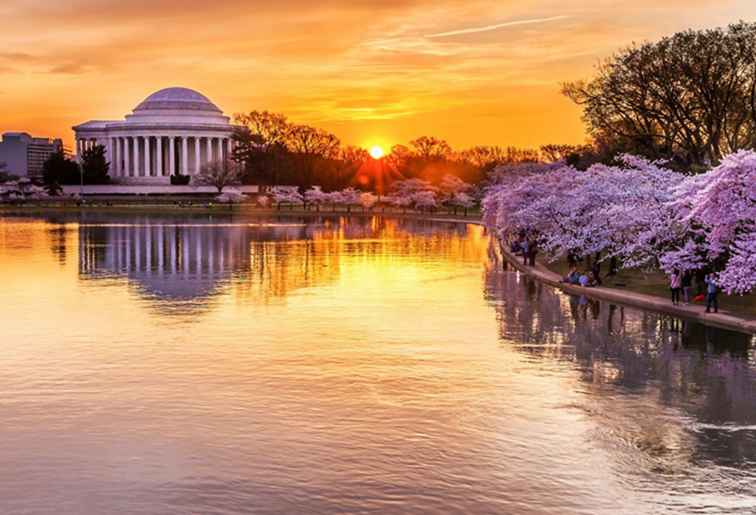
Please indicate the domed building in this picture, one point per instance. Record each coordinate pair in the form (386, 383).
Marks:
(172, 132)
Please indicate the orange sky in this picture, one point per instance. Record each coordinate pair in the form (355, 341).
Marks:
(373, 72)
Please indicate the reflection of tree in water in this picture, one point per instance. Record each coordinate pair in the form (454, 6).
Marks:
(680, 392)
(58, 235)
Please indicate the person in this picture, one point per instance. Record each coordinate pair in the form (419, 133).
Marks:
(572, 276)
(525, 249)
(532, 251)
(515, 248)
(687, 286)
(595, 278)
(711, 294)
(584, 280)
(674, 286)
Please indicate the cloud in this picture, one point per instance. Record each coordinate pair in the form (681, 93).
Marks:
(488, 28)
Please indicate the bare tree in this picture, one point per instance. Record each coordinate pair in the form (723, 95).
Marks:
(219, 174)
(690, 97)
(488, 157)
(428, 147)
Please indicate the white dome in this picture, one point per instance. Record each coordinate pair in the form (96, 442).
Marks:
(177, 99)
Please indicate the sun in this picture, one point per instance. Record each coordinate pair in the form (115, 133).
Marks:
(376, 152)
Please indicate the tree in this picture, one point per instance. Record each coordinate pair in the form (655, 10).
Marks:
(59, 169)
(368, 200)
(4, 175)
(286, 195)
(261, 145)
(95, 166)
(461, 200)
(311, 146)
(720, 210)
(639, 214)
(430, 148)
(219, 174)
(451, 185)
(689, 98)
(489, 157)
(315, 196)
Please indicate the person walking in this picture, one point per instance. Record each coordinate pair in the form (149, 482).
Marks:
(674, 286)
(532, 252)
(525, 248)
(687, 286)
(711, 294)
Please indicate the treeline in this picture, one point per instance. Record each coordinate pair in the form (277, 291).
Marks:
(275, 151)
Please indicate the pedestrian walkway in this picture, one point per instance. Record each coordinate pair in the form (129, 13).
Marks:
(640, 300)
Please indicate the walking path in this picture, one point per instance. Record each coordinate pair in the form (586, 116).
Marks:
(639, 300)
(722, 319)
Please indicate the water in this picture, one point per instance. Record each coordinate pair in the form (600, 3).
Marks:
(239, 365)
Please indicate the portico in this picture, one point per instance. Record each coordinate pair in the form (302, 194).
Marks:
(173, 132)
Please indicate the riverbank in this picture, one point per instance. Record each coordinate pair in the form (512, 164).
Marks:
(724, 320)
(172, 205)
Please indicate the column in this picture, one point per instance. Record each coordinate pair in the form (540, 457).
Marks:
(209, 156)
(121, 146)
(172, 155)
(126, 156)
(229, 148)
(197, 165)
(184, 156)
(159, 156)
(135, 139)
(147, 167)
(110, 156)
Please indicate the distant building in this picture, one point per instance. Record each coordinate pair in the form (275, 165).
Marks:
(174, 131)
(24, 155)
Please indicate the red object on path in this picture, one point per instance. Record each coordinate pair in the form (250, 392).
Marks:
(698, 298)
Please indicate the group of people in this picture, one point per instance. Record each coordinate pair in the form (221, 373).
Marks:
(584, 278)
(528, 248)
(682, 283)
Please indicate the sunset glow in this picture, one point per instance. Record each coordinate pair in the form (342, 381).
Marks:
(377, 152)
(476, 72)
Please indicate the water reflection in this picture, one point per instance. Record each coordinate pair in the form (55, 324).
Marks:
(179, 364)
(177, 261)
(679, 392)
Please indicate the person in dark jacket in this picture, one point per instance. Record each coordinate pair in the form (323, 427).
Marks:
(711, 294)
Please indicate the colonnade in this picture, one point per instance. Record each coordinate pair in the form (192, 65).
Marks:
(148, 155)
(162, 250)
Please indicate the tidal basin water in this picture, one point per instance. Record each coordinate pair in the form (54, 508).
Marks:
(172, 365)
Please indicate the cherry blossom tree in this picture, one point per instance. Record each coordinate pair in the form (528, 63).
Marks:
(316, 197)
(286, 195)
(368, 200)
(219, 173)
(639, 214)
(720, 208)
(347, 197)
(424, 200)
(461, 200)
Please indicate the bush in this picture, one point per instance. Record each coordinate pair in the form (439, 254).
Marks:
(180, 180)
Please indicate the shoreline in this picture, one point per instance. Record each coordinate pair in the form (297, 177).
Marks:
(218, 208)
(541, 273)
(722, 320)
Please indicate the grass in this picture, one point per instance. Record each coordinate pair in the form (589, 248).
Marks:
(656, 283)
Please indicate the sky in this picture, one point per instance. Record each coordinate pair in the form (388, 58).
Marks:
(474, 72)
